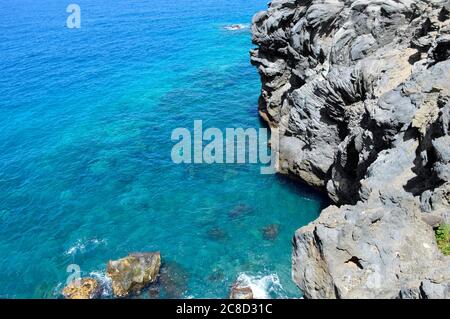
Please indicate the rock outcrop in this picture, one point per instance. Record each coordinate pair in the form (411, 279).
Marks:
(84, 288)
(357, 96)
(241, 291)
(131, 274)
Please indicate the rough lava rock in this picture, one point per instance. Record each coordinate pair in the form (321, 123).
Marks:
(357, 96)
(84, 288)
(131, 274)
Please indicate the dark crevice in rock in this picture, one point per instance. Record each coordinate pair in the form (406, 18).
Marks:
(355, 261)
(318, 241)
(336, 292)
(414, 58)
(373, 222)
(442, 50)
(444, 14)
(425, 161)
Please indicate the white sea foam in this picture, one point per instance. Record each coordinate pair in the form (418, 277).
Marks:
(100, 276)
(263, 286)
(83, 245)
(105, 282)
(236, 27)
(57, 290)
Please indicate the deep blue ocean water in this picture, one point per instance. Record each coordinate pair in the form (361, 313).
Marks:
(86, 175)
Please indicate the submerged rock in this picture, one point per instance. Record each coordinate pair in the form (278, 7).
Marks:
(84, 288)
(357, 95)
(217, 234)
(131, 274)
(240, 210)
(270, 232)
(216, 275)
(173, 280)
(154, 292)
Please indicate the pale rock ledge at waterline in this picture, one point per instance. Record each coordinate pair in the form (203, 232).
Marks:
(357, 97)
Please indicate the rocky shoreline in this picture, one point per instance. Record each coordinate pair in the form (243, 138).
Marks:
(128, 276)
(357, 96)
(140, 273)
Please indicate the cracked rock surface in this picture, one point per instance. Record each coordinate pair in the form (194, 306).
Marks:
(357, 96)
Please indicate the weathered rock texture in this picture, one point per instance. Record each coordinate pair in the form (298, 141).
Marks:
(131, 274)
(357, 97)
(241, 293)
(84, 288)
(240, 290)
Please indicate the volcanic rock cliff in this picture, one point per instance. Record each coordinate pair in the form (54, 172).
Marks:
(356, 94)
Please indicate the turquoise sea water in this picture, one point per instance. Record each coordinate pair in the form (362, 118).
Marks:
(86, 175)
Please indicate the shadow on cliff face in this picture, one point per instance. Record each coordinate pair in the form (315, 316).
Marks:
(427, 157)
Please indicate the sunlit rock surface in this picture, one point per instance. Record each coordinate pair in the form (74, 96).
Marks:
(131, 274)
(84, 288)
(357, 97)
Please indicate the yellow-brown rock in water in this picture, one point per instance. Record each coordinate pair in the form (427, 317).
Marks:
(84, 288)
(131, 274)
(238, 292)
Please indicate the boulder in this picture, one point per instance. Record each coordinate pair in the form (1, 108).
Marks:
(241, 292)
(84, 288)
(131, 274)
(270, 232)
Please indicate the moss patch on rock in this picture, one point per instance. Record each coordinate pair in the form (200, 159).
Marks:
(443, 238)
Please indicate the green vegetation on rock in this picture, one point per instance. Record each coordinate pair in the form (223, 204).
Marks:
(443, 238)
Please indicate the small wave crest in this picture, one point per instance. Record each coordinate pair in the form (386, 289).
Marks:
(84, 245)
(236, 27)
(105, 282)
(263, 286)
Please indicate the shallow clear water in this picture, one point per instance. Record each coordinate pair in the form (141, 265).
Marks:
(85, 169)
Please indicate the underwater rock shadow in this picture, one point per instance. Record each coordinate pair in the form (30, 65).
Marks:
(172, 282)
(217, 234)
(240, 210)
(271, 232)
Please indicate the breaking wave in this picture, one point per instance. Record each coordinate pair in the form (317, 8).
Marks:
(263, 286)
(105, 282)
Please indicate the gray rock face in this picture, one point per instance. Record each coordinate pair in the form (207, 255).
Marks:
(357, 95)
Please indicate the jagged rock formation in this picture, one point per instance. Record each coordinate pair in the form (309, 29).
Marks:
(131, 274)
(356, 94)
